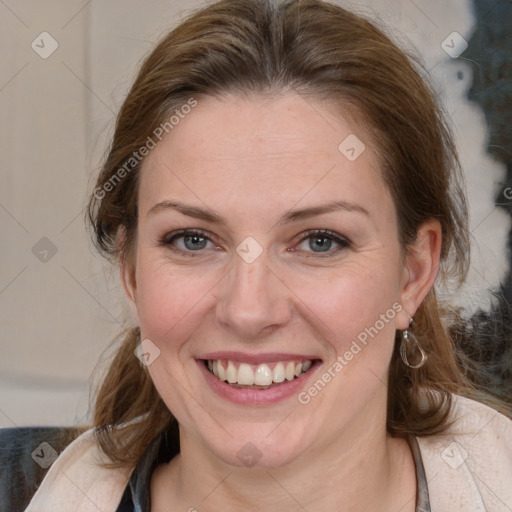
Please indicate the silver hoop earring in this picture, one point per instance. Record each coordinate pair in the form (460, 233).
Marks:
(409, 340)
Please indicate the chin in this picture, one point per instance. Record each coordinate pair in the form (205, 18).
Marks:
(258, 447)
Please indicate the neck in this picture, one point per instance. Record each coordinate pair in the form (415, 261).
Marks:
(359, 469)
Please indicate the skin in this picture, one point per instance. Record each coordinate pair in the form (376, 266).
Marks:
(251, 160)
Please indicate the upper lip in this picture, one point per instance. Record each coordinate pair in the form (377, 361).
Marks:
(268, 357)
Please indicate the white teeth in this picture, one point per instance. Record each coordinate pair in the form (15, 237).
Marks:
(290, 371)
(263, 375)
(222, 372)
(278, 373)
(245, 375)
(231, 373)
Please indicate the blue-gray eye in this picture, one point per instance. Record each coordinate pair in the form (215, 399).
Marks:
(188, 241)
(320, 243)
(323, 242)
(194, 242)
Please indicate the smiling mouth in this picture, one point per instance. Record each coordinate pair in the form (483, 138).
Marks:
(257, 376)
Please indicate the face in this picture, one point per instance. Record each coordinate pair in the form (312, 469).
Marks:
(263, 249)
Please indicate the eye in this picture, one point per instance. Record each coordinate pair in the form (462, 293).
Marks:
(188, 241)
(315, 241)
(323, 241)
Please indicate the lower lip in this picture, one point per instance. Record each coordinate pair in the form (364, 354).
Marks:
(257, 397)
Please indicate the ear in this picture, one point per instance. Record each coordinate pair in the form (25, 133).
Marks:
(421, 268)
(127, 274)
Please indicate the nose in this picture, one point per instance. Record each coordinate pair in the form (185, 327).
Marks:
(253, 301)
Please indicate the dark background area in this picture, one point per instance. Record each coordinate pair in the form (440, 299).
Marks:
(487, 336)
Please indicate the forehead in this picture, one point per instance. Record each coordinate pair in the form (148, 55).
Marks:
(288, 147)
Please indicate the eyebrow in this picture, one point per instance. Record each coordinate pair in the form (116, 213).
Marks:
(290, 216)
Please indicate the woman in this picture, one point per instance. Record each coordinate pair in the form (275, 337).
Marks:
(280, 196)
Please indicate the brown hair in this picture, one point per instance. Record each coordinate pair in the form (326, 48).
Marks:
(310, 47)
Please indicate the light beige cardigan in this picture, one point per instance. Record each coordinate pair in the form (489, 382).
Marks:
(468, 469)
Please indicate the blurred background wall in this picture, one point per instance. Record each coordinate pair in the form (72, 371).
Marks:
(66, 66)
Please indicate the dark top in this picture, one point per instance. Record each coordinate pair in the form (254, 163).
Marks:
(137, 496)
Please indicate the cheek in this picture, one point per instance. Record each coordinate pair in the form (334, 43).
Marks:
(341, 303)
(170, 301)
(352, 304)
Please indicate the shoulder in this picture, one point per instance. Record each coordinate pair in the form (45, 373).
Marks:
(469, 467)
(78, 481)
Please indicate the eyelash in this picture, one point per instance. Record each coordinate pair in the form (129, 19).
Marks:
(343, 242)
